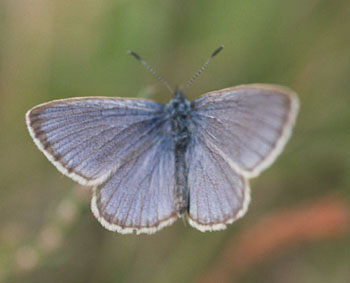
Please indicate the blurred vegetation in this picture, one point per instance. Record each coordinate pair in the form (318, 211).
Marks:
(53, 49)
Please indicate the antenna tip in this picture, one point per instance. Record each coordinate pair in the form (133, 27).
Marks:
(217, 51)
(134, 54)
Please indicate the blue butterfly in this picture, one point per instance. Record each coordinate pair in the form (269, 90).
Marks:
(151, 163)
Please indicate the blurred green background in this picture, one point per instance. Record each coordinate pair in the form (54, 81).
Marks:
(296, 229)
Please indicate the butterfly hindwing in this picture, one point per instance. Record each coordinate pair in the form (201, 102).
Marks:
(218, 194)
(139, 195)
(85, 138)
(248, 124)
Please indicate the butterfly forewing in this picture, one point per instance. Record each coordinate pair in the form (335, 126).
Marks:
(85, 138)
(139, 196)
(218, 194)
(248, 124)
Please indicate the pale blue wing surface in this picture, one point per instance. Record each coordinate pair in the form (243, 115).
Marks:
(218, 195)
(86, 138)
(139, 196)
(249, 125)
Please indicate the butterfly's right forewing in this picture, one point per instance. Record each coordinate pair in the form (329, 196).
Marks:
(248, 124)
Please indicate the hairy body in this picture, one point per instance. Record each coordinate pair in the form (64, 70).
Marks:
(179, 110)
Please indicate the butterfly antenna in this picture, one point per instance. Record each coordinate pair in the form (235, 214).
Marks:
(205, 65)
(164, 82)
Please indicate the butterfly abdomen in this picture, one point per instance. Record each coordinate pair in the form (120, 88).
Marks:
(179, 110)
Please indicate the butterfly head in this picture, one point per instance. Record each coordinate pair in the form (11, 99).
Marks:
(179, 103)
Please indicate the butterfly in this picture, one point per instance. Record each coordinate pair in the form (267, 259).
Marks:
(151, 164)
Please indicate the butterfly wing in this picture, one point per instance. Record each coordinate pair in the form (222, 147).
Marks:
(249, 125)
(235, 134)
(218, 194)
(86, 138)
(139, 195)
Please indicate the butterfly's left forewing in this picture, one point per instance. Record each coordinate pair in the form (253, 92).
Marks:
(85, 138)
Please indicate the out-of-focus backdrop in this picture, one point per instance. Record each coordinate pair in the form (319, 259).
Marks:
(296, 229)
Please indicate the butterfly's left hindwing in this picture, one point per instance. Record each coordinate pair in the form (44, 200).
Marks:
(139, 195)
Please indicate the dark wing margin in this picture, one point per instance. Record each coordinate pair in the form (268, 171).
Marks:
(218, 194)
(249, 124)
(85, 138)
(139, 195)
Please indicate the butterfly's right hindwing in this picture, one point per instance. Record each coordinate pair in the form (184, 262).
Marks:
(218, 194)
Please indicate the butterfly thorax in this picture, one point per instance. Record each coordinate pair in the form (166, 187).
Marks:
(179, 110)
